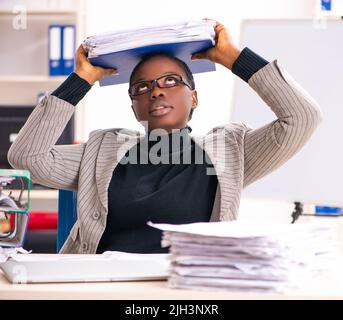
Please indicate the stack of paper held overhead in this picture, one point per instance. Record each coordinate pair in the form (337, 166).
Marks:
(124, 49)
(252, 257)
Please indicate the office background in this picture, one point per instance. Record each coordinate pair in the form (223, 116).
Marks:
(107, 107)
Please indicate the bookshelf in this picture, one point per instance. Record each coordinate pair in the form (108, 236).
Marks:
(24, 64)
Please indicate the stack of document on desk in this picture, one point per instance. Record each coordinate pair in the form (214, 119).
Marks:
(252, 257)
(124, 49)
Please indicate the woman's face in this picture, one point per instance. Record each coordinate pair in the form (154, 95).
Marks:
(163, 108)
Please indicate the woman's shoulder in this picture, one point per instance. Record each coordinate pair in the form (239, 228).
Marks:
(230, 128)
(231, 133)
(122, 132)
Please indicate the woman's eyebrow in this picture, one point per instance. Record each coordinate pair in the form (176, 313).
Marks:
(166, 73)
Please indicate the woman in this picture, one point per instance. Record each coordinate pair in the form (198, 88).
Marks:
(124, 180)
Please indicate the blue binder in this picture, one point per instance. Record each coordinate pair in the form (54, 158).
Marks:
(68, 49)
(55, 50)
(326, 5)
(125, 61)
(67, 215)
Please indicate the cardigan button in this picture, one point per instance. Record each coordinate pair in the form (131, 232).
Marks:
(96, 215)
(84, 246)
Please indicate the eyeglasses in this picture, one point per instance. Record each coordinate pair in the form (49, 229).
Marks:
(167, 81)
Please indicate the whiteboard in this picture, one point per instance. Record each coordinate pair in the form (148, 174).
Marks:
(313, 54)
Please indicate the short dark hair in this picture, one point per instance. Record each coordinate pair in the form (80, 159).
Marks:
(182, 64)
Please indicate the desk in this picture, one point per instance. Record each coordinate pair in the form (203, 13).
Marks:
(326, 288)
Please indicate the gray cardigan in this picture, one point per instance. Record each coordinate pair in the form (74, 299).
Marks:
(240, 155)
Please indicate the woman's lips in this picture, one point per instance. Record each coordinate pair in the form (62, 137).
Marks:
(160, 111)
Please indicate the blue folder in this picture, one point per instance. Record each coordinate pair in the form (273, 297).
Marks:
(55, 50)
(125, 61)
(68, 48)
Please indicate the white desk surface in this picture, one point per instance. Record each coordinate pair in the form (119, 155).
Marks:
(156, 290)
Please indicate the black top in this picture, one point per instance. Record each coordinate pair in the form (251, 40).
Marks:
(157, 191)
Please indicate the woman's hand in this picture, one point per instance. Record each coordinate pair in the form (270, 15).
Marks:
(88, 72)
(224, 52)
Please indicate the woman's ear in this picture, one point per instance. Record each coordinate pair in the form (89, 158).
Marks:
(194, 104)
(194, 99)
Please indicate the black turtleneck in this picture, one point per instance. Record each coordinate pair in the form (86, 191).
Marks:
(160, 190)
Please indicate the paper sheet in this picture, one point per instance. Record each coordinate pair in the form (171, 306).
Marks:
(6, 253)
(247, 256)
(127, 39)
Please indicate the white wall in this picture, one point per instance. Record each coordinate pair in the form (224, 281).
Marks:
(110, 106)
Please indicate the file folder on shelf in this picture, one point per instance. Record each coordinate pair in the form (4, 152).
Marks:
(123, 50)
(55, 50)
(14, 206)
(61, 49)
(68, 48)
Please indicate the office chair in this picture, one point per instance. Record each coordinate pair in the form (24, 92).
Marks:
(67, 215)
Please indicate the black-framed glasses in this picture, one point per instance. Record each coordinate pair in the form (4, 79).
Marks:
(167, 81)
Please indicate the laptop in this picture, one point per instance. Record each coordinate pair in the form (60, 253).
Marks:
(106, 267)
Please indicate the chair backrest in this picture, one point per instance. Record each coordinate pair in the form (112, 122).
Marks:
(67, 215)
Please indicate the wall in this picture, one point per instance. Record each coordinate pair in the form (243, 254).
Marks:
(110, 106)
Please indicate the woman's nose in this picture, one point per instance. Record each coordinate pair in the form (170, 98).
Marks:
(156, 91)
